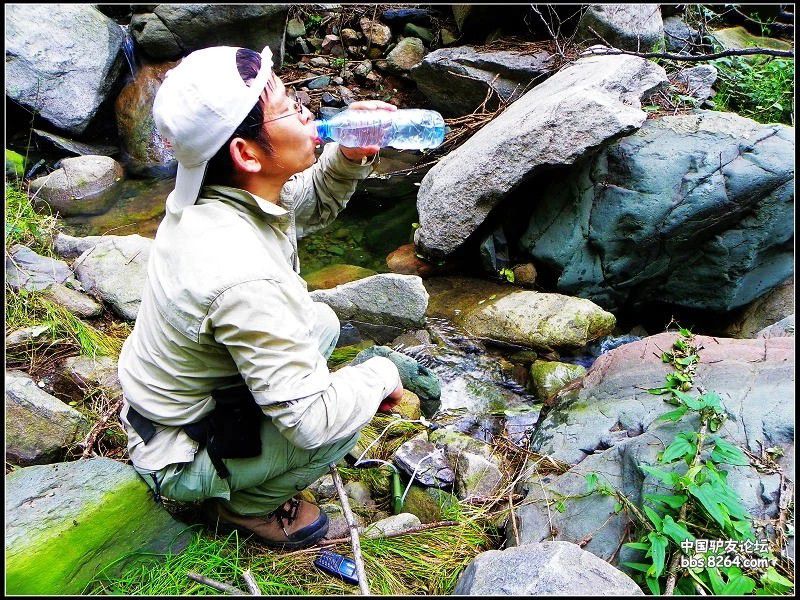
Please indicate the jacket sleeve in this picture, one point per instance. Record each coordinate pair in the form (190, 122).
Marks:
(320, 192)
(264, 326)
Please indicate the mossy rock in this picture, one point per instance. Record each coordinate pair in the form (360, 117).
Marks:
(345, 354)
(737, 38)
(333, 275)
(66, 522)
(548, 377)
(428, 503)
(15, 165)
(409, 406)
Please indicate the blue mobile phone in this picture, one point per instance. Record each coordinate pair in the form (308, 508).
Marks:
(337, 565)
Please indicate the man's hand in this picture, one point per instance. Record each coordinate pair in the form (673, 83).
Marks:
(392, 399)
(356, 154)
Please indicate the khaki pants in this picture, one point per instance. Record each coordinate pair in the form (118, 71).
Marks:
(260, 484)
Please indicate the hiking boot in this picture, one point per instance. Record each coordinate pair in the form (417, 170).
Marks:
(295, 524)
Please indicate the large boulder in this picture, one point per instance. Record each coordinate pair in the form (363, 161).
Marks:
(115, 270)
(694, 210)
(636, 27)
(609, 425)
(767, 310)
(508, 314)
(573, 112)
(62, 61)
(66, 522)
(173, 30)
(145, 151)
(333, 275)
(27, 270)
(543, 569)
(39, 427)
(387, 299)
(456, 80)
(83, 185)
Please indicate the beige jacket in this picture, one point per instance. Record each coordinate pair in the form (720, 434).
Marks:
(223, 296)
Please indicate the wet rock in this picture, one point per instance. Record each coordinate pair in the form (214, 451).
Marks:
(73, 147)
(27, 270)
(525, 274)
(476, 477)
(333, 275)
(387, 299)
(295, 28)
(698, 81)
(68, 246)
(115, 270)
(78, 518)
(404, 260)
(74, 301)
(409, 406)
(687, 175)
(456, 80)
(415, 378)
(94, 373)
(680, 38)
(426, 35)
(427, 504)
(573, 112)
(412, 338)
(319, 83)
(394, 525)
(454, 443)
(62, 61)
(770, 308)
(408, 53)
(433, 471)
(783, 328)
(174, 30)
(549, 377)
(543, 569)
(377, 34)
(359, 494)
(508, 314)
(145, 152)
(448, 37)
(84, 185)
(26, 335)
(39, 427)
(636, 27)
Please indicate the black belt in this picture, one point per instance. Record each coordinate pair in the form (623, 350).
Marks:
(231, 430)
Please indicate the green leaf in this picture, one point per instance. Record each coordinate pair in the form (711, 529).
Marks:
(560, 506)
(665, 476)
(705, 494)
(637, 566)
(653, 516)
(738, 586)
(677, 449)
(652, 583)
(725, 452)
(676, 531)
(674, 415)
(591, 481)
(637, 546)
(712, 400)
(691, 402)
(618, 507)
(659, 548)
(685, 332)
(669, 500)
(717, 584)
(772, 577)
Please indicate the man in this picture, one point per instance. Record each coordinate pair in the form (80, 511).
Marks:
(227, 392)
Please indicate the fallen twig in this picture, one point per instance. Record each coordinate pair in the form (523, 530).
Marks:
(88, 444)
(221, 587)
(252, 586)
(695, 57)
(351, 522)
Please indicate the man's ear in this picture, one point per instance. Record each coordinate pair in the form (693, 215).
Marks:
(244, 157)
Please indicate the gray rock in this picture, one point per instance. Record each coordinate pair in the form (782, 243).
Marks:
(394, 525)
(27, 270)
(324, 487)
(116, 270)
(456, 80)
(573, 112)
(433, 471)
(783, 328)
(295, 28)
(386, 299)
(94, 373)
(62, 61)
(635, 27)
(548, 377)
(543, 569)
(506, 313)
(359, 494)
(698, 80)
(39, 427)
(74, 301)
(74, 147)
(415, 378)
(319, 82)
(773, 306)
(84, 185)
(337, 522)
(26, 335)
(78, 518)
(174, 30)
(679, 37)
(319, 61)
(68, 246)
(454, 443)
(408, 53)
(713, 193)
(754, 378)
(476, 476)
(377, 33)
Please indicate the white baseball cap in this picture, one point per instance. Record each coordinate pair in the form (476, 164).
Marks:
(198, 107)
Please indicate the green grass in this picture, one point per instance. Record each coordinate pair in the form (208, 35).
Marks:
(26, 226)
(428, 562)
(760, 88)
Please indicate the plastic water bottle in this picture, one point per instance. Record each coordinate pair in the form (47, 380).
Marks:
(404, 129)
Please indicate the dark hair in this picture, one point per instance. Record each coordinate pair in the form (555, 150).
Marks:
(220, 167)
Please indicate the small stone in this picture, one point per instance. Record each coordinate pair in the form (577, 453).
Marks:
(354, 52)
(319, 61)
(393, 525)
(303, 45)
(295, 28)
(316, 42)
(77, 303)
(363, 68)
(431, 471)
(337, 523)
(359, 493)
(337, 80)
(329, 99)
(476, 476)
(376, 33)
(92, 373)
(374, 52)
(26, 335)
(350, 36)
(347, 96)
(525, 274)
(323, 487)
(330, 42)
(407, 54)
(319, 82)
(448, 37)
(409, 406)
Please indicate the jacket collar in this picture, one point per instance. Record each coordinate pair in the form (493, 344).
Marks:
(225, 193)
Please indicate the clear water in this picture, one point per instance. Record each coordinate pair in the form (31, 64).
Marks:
(407, 129)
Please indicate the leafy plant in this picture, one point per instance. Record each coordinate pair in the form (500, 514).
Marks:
(338, 62)
(761, 88)
(507, 274)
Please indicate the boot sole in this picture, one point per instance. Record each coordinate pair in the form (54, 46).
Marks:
(221, 526)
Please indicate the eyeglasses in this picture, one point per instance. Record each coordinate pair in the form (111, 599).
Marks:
(297, 108)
